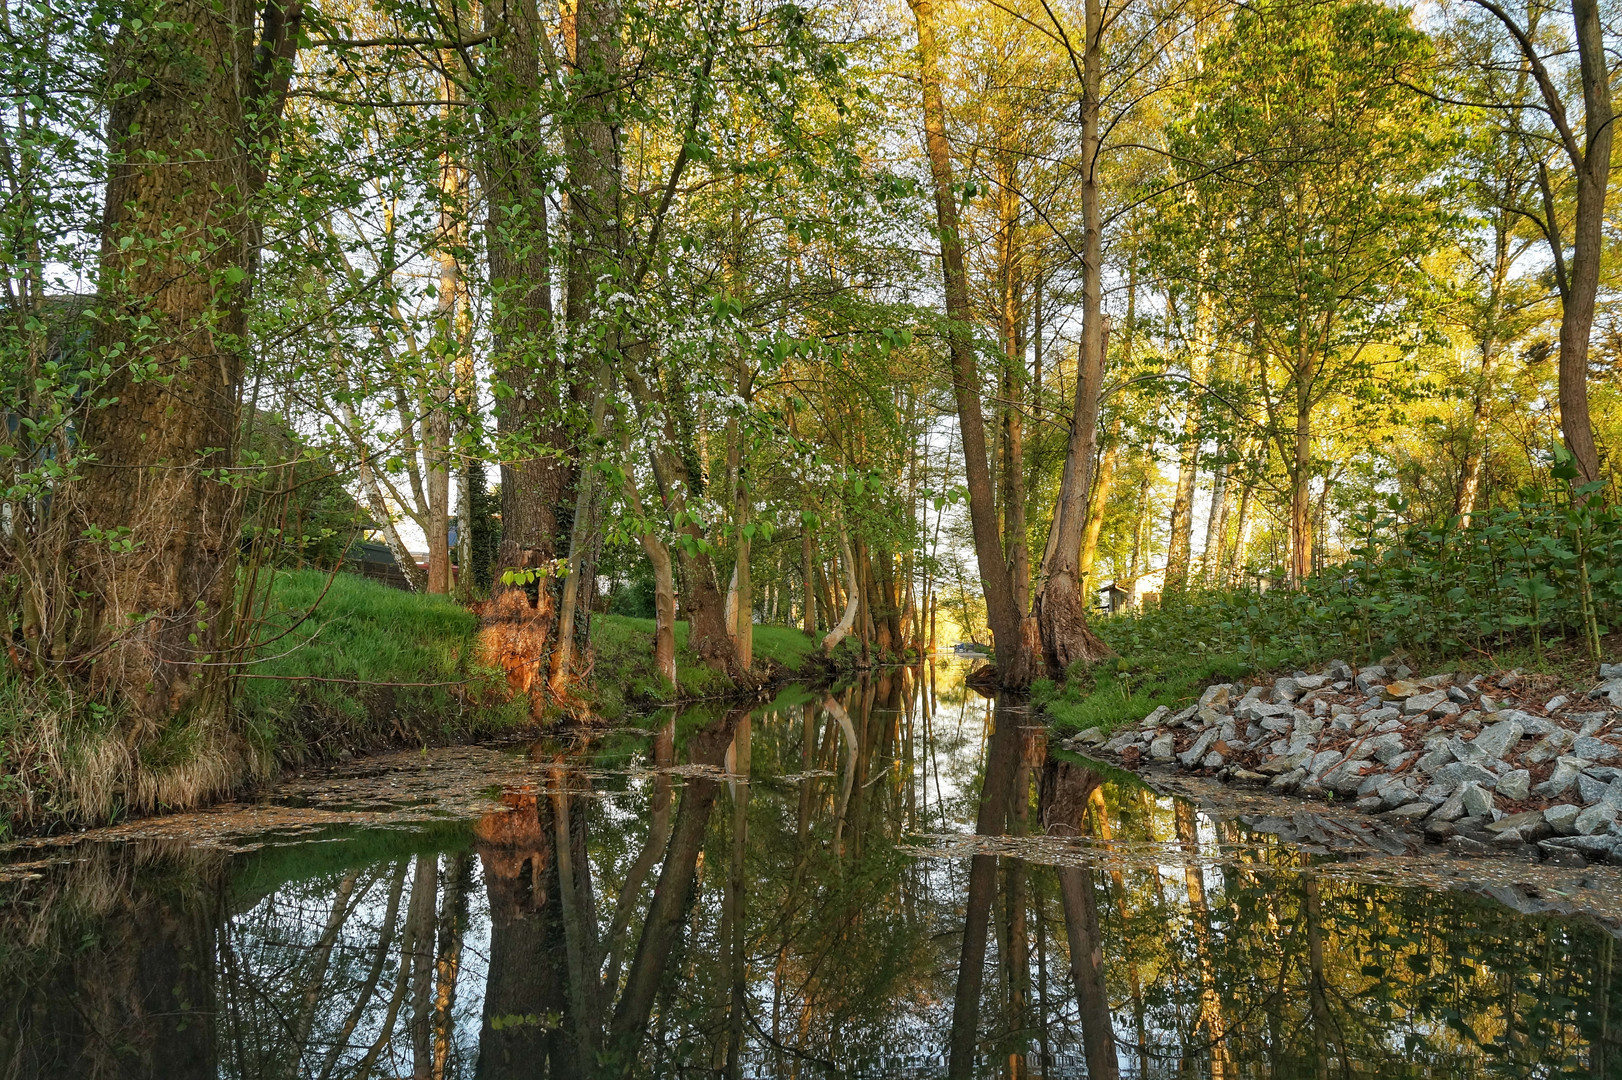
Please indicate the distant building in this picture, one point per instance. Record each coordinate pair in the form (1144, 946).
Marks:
(1125, 594)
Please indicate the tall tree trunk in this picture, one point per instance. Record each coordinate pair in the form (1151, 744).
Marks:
(533, 442)
(1301, 475)
(852, 592)
(1062, 605)
(1014, 659)
(155, 570)
(1475, 454)
(1216, 524)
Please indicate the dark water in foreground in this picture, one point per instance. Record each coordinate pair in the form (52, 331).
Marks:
(895, 880)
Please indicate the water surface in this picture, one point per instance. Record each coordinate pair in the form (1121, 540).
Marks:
(895, 879)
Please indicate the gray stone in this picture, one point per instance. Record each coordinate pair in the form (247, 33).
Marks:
(1594, 820)
(1467, 752)
(1497, 739)
(1208, 716)
(1338, 670)
(1477, 800)
(1286, 690)
(1246, 776)
(1263, 711)
(1452, 809)
(1562, 818)
(1154, 718)
(1515, 785)
(1322, 761)
(1446, 708)
(1509, 838)
(1488, 703)
(1458, 694)
(1381, 715)
(1390, 725)
(1590, 790)
(1396, 793)
(1091, 737)
(1162, 748)
(1346, 778)
(1307, 725)
(1371, 784)
(1217, 696)
(1521, 821)
(1188, 757)
(1435, 759)
(1184, 716)
(1411, 811)
(1371, 678)
(1253, 695)
(1311, 682)
(1282, 763)
(1343, 723)
(1438, 830)
(1556, 703)
(1610, 671)
(1213, 760)
(1278, 724)
(1464, 771)
(1566, 771)
(1594, 749)
(1368, 746)
(1287, 781)
(1463, 845)
(1424, 703)
(1558, 855)
(1368, 804)
(1594, 722)
(1470, 720)
(1392, 756)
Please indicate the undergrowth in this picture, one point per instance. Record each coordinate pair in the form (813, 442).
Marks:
(1536, 585)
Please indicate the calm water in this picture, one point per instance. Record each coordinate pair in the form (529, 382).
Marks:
(896, 879)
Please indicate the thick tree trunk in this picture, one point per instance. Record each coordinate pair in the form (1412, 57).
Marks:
(156, 568)
(1593, 170)
(1066, 789)
(1014, 663)
(852, 592)
(664, 589)
(533, 443)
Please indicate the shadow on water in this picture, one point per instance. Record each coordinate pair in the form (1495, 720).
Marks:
(896, 879)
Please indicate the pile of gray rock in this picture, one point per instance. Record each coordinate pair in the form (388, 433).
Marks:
(1473, 763)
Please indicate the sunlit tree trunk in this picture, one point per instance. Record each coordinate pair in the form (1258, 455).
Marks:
(1014, 658)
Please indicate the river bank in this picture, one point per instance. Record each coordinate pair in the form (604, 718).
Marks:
(347, 666)
(1496, 762)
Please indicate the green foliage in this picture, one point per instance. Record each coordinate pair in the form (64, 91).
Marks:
(1122, 691)
(1545, 568)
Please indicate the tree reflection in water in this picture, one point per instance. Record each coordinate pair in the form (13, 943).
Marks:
(893, 879)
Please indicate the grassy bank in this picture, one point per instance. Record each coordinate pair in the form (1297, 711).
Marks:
(353, 674)
(345, 666)
(1169, 652)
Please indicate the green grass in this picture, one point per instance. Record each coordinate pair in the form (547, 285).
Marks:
(623, 677)
(369, 634)
(1124, 691)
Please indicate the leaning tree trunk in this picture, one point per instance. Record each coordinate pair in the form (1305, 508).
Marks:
(1014, 658)
(1062, 607)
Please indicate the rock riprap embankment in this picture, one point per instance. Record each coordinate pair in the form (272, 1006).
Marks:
(1471, 763)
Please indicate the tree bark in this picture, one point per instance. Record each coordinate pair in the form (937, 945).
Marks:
(155, 570)
(1062, 606)
(1014, 661)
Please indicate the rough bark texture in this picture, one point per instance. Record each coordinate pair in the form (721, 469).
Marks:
(158, 568)
(535, 449)
(1013, 666)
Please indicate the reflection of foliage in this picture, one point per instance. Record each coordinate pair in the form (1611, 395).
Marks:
(380, 945)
